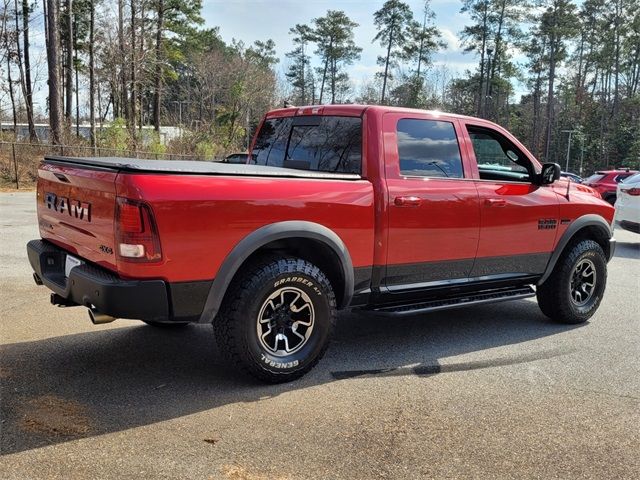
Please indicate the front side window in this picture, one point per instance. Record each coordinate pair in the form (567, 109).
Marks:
(317, 143)
(497, 157)
(428, 148)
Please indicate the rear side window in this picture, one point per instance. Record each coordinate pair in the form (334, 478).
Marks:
(596, 177)
(428, 148)
(317, 143)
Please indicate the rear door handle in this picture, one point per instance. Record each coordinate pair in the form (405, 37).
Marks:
(495, 202)
(407, 201)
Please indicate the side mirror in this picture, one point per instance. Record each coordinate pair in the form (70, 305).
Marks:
(550, 173)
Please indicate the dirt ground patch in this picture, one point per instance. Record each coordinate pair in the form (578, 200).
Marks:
(235, 472)
(7, 188)
(54, 416)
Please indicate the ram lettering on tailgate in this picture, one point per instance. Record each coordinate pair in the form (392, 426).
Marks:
(75, 208)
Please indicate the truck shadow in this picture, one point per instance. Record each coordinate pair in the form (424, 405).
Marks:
(628, 250)
(87, 384)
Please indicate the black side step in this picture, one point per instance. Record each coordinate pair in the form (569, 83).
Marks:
(489, 296)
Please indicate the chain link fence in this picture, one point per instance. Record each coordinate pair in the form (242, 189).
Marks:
(19, 161)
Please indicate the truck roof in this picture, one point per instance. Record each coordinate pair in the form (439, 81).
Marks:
(356, 110)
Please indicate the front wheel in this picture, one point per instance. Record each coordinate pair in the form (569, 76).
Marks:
(574, 290)
(276, 319)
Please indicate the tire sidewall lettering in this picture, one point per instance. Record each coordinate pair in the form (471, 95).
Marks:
(281, 365)
(295, 279)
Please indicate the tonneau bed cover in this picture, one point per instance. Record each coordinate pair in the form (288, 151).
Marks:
(193, 167)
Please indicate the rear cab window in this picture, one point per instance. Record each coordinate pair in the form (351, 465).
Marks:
(322, 143)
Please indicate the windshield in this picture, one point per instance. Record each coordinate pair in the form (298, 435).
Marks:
(632, 179)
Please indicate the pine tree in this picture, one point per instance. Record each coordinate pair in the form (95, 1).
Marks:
(424, 39)
(298, 71)
(333, 35)
(558, 24)
(393, 21)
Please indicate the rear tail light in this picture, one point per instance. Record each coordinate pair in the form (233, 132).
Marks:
(635, 191)
(137, 236)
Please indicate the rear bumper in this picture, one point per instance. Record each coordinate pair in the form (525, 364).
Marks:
(90, 285)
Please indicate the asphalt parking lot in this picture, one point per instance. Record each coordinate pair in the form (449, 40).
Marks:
(495, 391)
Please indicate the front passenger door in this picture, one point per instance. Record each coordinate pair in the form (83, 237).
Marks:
(518, 218)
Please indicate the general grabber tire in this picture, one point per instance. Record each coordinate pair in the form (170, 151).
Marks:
(574, 290)
(276, 319)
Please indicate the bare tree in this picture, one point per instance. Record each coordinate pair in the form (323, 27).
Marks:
(68, 107)
(158, 72)
(133, 70)
(53, 62)
(92, 81)
(25, 72)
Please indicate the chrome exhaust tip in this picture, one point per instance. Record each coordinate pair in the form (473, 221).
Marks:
(98, 318)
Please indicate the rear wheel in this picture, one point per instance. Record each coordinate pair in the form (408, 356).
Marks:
(574, 290)
(276, 319)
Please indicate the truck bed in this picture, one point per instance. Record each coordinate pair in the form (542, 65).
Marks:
(193, 167)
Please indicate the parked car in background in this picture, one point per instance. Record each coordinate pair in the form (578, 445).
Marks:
(628, 204)
(572, 176)
(605, 182)
(236, 158)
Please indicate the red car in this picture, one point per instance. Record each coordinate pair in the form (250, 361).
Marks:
(606, 182)
(383, 209)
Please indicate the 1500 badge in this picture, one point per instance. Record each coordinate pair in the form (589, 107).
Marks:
(547, 224)
(74, 208)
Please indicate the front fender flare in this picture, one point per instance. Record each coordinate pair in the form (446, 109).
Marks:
(590, 220)
(267, 234)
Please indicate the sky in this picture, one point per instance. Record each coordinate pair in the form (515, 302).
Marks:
(251, 20)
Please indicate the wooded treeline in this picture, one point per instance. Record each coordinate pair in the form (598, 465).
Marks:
(152, 62)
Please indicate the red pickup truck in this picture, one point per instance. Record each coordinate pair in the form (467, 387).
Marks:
(377, 208)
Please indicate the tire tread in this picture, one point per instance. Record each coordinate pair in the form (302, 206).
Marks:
(226, 326)
(551, 299)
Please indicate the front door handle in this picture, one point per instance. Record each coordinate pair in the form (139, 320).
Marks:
(495, 202)
(407, 201)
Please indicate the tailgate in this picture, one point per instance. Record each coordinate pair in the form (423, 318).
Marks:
(76, 210)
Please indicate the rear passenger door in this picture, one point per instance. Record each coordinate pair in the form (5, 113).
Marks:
(434, 214)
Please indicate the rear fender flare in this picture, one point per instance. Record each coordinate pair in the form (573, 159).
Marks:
(261, 237)
(591, 220)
